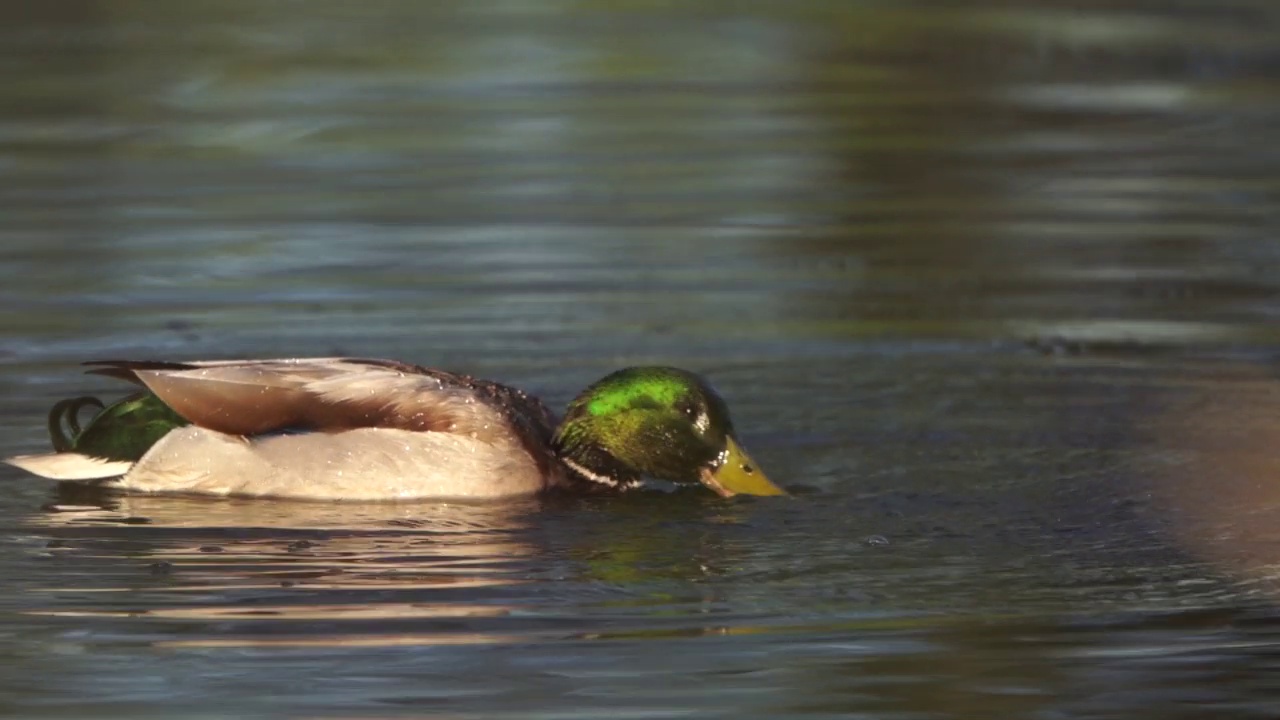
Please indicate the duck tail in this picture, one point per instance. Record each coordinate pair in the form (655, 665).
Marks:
(69, 466)
(115, 437)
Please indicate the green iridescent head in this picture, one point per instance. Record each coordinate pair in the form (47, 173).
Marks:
(657, 422)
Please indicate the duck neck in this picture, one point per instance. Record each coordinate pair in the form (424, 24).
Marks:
(593, 480)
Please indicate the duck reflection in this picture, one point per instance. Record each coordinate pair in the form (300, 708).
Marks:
(289, 573)
(242, 573)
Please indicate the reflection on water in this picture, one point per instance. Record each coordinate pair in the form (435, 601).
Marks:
(924, 594)
(1219, 475)
(243, 553)
(991, 284)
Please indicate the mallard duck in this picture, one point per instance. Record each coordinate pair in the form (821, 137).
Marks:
(360, 429)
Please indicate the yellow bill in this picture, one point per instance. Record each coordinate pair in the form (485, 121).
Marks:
(738, 474)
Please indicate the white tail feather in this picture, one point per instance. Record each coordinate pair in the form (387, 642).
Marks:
(70, 466)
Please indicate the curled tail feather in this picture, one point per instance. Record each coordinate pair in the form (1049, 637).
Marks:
(109, 443)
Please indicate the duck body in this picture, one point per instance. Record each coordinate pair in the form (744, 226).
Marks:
(365, 429)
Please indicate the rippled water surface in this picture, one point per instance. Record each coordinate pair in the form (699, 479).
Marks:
(990, 286)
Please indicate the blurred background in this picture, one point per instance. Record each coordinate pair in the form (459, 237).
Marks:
(991, 285)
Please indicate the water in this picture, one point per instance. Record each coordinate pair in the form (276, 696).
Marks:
(990, 286)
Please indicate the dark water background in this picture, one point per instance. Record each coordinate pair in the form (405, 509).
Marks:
(992, 286)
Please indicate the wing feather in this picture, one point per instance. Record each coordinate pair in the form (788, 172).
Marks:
(252, 397)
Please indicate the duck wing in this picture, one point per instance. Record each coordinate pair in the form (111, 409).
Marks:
(254, 397)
